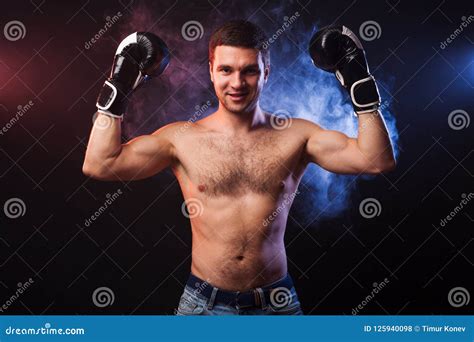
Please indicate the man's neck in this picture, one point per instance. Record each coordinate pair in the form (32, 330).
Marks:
(243, 122)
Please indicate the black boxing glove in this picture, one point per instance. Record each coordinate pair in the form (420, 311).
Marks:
(337, 49)
(138, 57)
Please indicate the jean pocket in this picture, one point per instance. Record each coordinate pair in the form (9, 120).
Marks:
(189, 305)
(290, 309)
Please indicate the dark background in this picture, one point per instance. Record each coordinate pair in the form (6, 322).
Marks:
(140, 247)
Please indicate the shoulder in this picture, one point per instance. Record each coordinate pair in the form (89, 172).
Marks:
(301, 127)
(286, 120)
(173, 129)
(305, 124)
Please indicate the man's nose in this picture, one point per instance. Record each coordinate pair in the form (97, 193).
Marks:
(237, 81)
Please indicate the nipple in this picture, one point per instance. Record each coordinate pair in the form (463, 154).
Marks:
(201, 187)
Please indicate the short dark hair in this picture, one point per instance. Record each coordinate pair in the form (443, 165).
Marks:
(240, 33)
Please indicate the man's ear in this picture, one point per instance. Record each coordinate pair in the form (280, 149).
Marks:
(210, 72)
(266, 73)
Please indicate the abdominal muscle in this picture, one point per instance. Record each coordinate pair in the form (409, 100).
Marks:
(233, 249)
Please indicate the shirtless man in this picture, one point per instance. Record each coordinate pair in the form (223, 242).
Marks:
(236, 165)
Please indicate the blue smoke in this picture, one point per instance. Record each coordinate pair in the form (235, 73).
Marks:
(295, 86)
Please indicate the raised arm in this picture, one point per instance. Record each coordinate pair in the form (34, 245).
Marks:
(336, 49)
(107, 159)
(138, 57)
(371, 152)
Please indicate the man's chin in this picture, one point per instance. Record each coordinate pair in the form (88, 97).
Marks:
(237, 108)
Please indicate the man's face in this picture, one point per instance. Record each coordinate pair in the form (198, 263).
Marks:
(238, 75)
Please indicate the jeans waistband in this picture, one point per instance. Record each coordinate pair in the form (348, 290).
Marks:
(257, 297)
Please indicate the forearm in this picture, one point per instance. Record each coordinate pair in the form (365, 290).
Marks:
(104, 142)
(374, 142)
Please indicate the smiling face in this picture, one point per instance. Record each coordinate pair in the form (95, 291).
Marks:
(238, 74)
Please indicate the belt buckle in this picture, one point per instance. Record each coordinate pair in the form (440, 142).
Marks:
(237, 304)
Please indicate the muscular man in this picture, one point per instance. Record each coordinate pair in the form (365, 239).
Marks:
(236, 164)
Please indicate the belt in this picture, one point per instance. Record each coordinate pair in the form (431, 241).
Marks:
(247, 299)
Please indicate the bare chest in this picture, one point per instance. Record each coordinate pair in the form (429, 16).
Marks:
(261, 164)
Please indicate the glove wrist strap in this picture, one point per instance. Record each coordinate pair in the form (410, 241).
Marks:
(112, 100)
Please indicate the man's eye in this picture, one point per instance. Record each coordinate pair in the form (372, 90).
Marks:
(252, 71)
(225, 70)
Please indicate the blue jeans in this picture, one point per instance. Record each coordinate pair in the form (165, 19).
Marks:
(201, 298)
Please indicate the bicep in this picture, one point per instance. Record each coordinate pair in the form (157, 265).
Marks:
(335, 152)
(143, 157)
